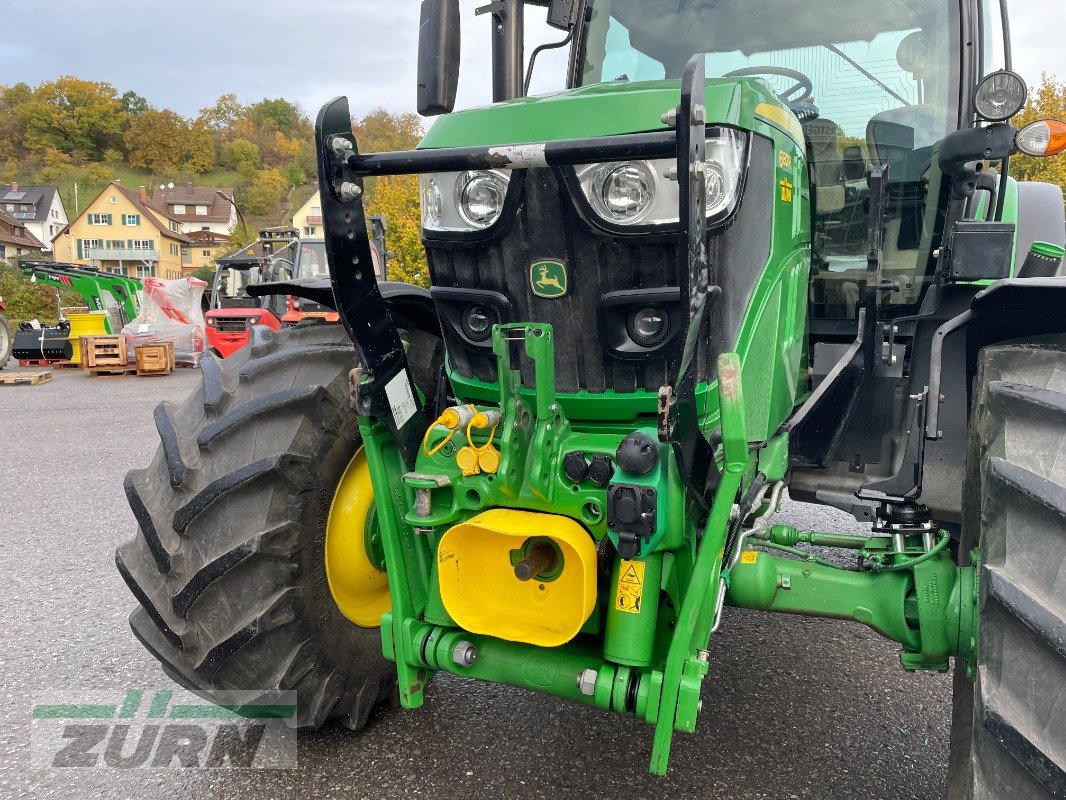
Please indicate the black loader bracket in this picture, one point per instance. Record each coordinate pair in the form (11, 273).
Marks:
(382, 385)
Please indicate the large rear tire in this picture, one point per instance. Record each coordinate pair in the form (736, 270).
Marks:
(228, 564)
(1008, 737)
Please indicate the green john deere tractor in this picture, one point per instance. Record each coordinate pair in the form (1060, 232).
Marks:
(751, 247)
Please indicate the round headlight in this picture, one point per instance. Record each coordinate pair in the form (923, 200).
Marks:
(999, 96)
(624, 193)
(648, 326)
(716, 185)
(477, 323)
(431, 204)
(480, 197)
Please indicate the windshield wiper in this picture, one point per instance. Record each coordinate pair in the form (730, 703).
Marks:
(834, 49)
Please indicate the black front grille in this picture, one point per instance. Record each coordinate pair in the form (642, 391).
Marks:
(547, 226)
(231, 324)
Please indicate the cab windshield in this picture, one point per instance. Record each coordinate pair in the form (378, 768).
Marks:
(862, 59)
(311, 260)
(870, 82)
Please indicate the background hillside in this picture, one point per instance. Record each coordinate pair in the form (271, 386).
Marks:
(79, 135)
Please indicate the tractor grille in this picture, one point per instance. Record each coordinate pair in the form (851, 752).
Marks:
(547, 225)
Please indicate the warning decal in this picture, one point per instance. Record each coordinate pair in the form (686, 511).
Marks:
(749, 557)
(630, 586)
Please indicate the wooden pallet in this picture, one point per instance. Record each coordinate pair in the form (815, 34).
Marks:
(155, 359)
(104, 351)
(129, 369)
(34, 378)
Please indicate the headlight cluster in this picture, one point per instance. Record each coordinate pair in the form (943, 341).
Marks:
(463, 201)
(646, 192)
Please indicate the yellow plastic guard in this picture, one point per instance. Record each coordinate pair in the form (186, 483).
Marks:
(481, 593)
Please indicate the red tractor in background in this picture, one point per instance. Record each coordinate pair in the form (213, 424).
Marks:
(279, 255)
(5, 336)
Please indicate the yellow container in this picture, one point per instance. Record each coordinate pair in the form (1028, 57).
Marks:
(479, 588)
(89, 323)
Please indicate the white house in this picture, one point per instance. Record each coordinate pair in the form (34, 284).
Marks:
(39, 208)
(308, 219)
(197, 208)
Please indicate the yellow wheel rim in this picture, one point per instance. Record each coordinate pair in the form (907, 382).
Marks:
(359, 587)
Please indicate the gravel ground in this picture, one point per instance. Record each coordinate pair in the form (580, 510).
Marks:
(792, 707)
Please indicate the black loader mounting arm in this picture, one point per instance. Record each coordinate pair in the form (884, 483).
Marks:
(383, 383)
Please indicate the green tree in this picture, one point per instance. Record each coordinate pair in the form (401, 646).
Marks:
(242, 155)
(266, 191)
(279, 115)
(223, 114)
(77, 117)
(133, 104)
(1047, 100)
(54, 165)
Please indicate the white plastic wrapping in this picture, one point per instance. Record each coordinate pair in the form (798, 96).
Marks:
(171, 311)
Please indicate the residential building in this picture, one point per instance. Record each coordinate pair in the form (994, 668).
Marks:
(204, 248)
(16, 239)
(121, 232)
(40, 208)
(308, 219)
(197, 208)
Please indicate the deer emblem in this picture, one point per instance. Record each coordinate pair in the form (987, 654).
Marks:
(548, 279)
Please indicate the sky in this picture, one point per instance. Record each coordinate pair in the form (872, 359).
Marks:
(185, 55)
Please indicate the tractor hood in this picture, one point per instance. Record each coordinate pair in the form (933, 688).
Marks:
(607, 109)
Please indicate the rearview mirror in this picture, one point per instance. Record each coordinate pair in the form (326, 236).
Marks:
(438, 56)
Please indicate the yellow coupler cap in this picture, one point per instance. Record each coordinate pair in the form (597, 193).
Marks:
(481, 593)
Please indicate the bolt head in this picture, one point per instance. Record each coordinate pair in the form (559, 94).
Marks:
(341, 146)
(586, 682)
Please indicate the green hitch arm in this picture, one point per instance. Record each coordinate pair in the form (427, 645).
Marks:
(684, 668)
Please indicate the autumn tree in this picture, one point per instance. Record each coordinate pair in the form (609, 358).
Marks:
(1048, 100)
(396, 198)
(151, 141)
(164, 142)
(12, 124)
(78, 117)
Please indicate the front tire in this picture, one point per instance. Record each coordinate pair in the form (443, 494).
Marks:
(228, 563)
(1008, 737)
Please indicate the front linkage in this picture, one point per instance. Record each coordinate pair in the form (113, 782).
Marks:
(518, 554)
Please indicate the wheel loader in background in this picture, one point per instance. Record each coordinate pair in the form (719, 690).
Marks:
(749, 248)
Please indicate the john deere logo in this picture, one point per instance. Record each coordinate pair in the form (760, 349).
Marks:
(548, 278)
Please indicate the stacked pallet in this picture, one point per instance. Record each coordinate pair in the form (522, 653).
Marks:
(106, 355)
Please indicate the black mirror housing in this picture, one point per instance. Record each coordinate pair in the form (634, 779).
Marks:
(562, 14)
(438, 56)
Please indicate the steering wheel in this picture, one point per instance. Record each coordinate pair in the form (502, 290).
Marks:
(796, 93)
